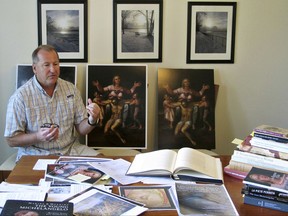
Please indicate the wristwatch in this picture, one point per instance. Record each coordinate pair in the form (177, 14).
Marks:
(97, 121)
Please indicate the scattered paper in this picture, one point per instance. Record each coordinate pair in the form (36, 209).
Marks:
(117, 170)
(237, 141)
(41, 164)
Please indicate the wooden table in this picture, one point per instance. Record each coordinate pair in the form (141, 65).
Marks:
(24, 174)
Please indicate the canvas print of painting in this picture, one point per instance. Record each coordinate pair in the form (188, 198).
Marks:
(186, 108)
(24, 72)
(121, 92)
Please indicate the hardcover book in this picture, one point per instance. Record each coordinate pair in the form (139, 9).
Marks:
(37, 208)
(264, 143)
(235, 173)
(260, 161)
(269, 179)
(188, 164)
(264, 195)
(261, 202)
(268, 150)
(204, 199)
(272, 131)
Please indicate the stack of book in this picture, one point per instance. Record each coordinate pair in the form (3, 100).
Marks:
(266, 147)
(266, 188)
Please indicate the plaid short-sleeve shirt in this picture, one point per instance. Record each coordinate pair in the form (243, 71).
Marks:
(30, 107)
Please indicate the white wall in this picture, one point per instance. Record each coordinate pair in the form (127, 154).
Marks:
(253, 90)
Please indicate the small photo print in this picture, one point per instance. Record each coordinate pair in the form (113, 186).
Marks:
(156, 198)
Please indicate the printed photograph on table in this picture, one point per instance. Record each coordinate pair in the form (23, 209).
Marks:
(24, 72)
(211, 32)
(154, 197)
(63, 24)
(94, 201)
(121, 93)
(137, 30)
(186, 108)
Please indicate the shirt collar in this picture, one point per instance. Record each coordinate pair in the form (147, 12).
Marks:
(40, 87)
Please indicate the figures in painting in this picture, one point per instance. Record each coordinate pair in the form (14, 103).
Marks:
(186, 111)
(120, 107)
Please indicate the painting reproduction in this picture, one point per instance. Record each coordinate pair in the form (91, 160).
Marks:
(121, 93)
(211, 32)
(137, 31)
(63, 24)
(186, 108)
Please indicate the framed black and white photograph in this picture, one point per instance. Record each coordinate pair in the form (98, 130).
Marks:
(186, 108)
(121, 93)
(137, 30)
(63, 24)
(211, 32)
(24, 72)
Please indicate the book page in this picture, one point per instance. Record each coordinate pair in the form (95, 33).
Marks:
(155, 162)
(192, 159)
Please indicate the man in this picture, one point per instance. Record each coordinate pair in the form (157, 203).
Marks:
(42, 114)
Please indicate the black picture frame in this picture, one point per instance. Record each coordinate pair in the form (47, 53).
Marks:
(142, 39)
(24, 72)
(63, 24)
(122, 123)
(211, 32)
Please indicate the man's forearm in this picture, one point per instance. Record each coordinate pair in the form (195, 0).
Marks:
(22, 140)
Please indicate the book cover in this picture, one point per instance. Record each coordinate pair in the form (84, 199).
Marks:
(269, 179)
(154, 197)
(37, 208)
(94, 201)
(204, 199)
(272, 131)
(271, 204)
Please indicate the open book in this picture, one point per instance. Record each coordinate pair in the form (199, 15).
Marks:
(186, 164)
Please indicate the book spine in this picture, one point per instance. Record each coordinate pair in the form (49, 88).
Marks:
(264, 159)
(264, 191)
(273, 138)
(263, 151)
(267, 197)
(278, 132)
(235, 173)
(271, 204)
(269, 142)
(243, 167)
(259, 163)
(270, 147)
